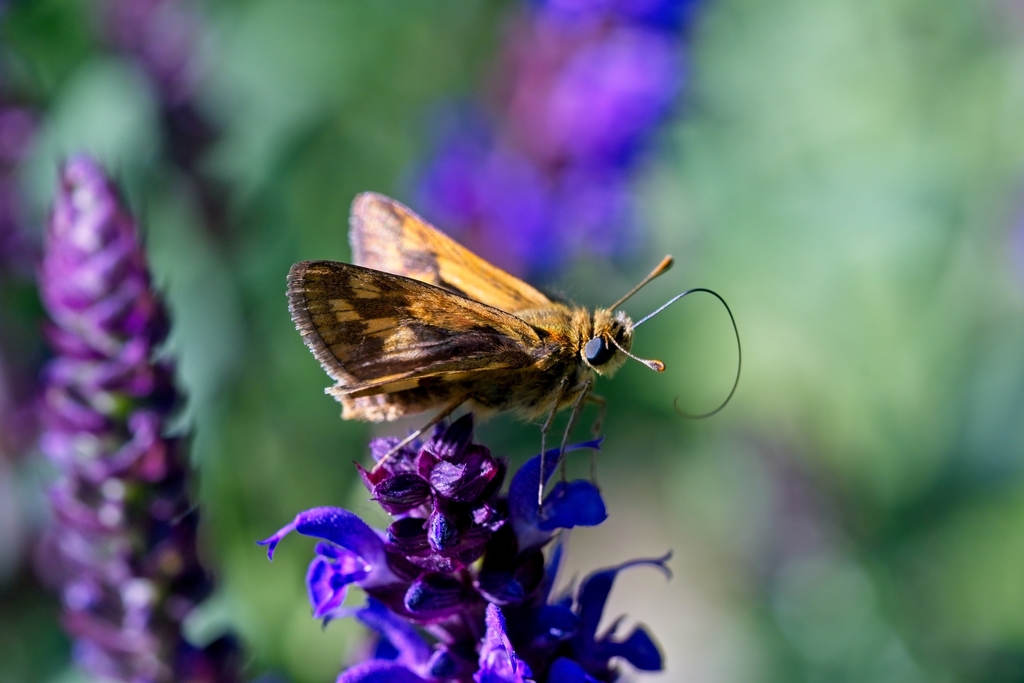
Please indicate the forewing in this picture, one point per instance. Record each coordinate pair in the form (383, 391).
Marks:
(375, 332)
(386, 235)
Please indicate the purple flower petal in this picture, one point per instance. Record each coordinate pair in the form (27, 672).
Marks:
(450, 444)
(498, 662)
(553, 624)
(567, 671)
(500, 588)
(593, 595)
(378, 671)
(444, 476)
(552, 566)
(328, 578)
(413, 651)
(402, 460)
(382, 446)
(638, 649)
(480, 471)
(342, 528)
(522, 495)
(572, 504)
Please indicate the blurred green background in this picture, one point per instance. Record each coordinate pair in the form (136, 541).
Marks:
(847, 174)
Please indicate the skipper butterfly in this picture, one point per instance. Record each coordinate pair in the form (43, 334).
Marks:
(418, 322)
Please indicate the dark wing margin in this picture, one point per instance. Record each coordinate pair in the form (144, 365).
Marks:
(298, 306)
(371, 329)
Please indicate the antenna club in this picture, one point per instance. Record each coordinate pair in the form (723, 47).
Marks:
(665, 264)
(657, 365)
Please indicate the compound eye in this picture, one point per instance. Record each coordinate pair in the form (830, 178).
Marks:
(597, 351)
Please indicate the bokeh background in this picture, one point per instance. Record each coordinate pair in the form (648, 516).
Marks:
(848, 174)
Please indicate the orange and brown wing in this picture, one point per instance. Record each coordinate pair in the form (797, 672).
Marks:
(378, 333)
(385, 235)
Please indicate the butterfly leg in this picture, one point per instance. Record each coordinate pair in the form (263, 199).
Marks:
(602, 409)
(451, 408)
(544, 437)
(577, 407)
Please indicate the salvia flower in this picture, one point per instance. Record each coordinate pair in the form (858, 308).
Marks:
(123, 542)
(459, 586)
(543, 172)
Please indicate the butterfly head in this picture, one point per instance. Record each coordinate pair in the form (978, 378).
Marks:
(612, 338)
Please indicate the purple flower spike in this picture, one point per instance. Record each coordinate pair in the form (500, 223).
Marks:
(459, 586)
(543, 172)
(124, 541)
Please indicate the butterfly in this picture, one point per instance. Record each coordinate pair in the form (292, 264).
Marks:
(418, 322)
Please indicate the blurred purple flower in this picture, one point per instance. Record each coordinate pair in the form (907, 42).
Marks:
(123, 546)
(17, 130)
(18, 343)
(668, 15)
(495, 199)
(608, 95)
(459, 587)
(165, 39)
(163, 36)
(545, 175)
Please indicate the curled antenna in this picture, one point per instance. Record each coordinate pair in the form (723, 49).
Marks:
(665, 264)
(739, 348)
